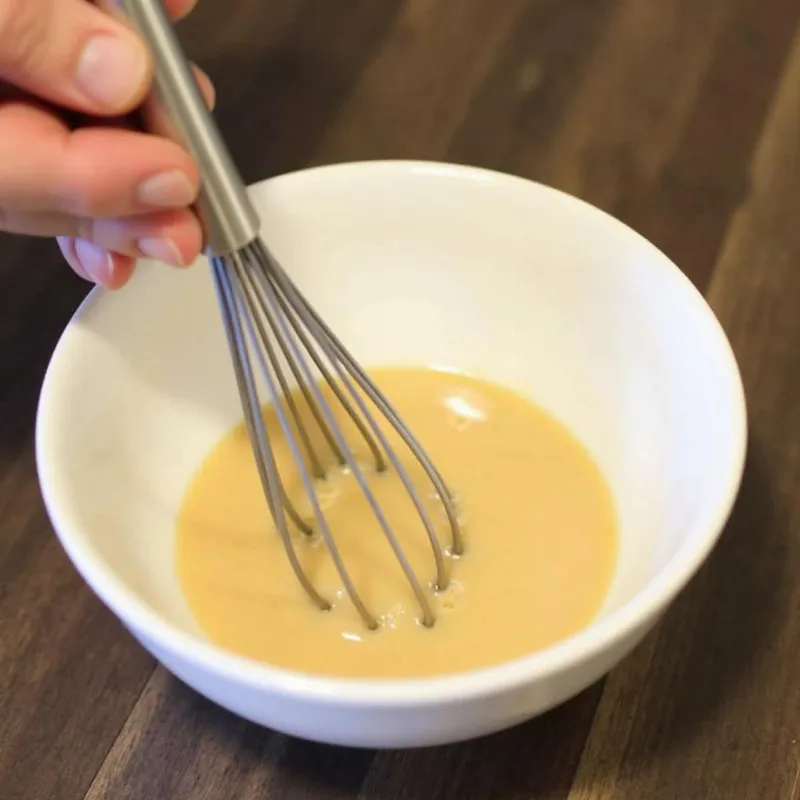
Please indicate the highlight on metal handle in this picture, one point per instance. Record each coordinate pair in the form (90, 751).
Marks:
(177, 110)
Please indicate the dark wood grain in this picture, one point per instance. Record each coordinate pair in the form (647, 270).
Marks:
(69, 675)
(716, 689)
(682, 118)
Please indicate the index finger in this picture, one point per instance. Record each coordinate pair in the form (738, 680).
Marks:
(90, 172)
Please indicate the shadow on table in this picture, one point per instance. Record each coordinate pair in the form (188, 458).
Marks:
(534, 760)
(38, 295)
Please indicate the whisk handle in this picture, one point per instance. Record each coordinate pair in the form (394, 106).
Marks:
(178, 111)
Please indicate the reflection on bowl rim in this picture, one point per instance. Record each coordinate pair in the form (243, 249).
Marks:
(599, 636)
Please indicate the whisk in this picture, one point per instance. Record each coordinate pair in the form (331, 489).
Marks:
(271, 328)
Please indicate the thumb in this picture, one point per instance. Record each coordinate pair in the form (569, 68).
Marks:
(72, 54)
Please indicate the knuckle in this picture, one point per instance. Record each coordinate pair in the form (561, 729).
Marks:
(72, 199)
(79, 201)
(75, 196)
(85, 229)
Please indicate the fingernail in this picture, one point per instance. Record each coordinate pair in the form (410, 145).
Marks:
(96, 262)
(111, 70)
(161, 250)
(171, 189)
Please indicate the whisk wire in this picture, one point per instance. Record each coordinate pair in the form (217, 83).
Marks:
(342, 374)
(296, 323)
(428, 617)
(340, 354)
(253, 288)
(245, 275)
(251, 407)
(305, 477)
(307, 396)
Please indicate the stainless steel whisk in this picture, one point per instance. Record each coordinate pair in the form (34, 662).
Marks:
(269, 322)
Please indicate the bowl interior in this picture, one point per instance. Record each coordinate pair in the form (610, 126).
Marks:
(410, 264)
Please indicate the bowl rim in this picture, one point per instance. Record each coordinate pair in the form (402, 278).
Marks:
(643, 608)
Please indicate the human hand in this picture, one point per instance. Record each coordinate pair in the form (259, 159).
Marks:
(110, 194)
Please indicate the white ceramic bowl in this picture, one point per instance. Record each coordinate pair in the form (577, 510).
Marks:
(411, 263)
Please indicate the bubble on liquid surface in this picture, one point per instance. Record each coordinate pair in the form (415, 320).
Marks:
(448, 598)
(440, 514)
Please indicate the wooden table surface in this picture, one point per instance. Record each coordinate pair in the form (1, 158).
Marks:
(682, 117)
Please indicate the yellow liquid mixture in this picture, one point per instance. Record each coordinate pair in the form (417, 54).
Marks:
(539, 529)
